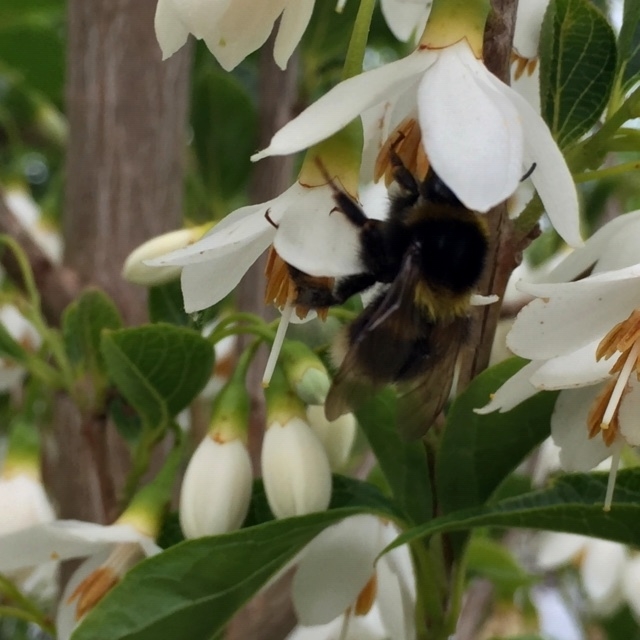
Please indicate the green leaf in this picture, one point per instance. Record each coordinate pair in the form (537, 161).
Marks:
(222, 151)
(573, 504)
(479, 451)
(194, 588)
(577, 67)
(629, 44)
(158, 368)
(492, 560)
(403, 463)
(82, 324)
(165, 304)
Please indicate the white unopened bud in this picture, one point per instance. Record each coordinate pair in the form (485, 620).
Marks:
(295, 469)
(216, 490)
(137, 271)
(337, 436)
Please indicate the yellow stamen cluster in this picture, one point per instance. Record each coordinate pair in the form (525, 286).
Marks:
(522, 65)
(281, 289)
(624, 340)
(367, 597)
(99, 582)
(406, 142)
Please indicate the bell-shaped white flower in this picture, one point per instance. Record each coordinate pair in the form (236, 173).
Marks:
(337, 436)
(135, 268)
(295, 469)
(601, 564)
(213, 266)
(216, 489)
(479, 134)
(340, 573)
(232, 29)
(24, 333)
(581, 338)
(406, 18)
(29, 214)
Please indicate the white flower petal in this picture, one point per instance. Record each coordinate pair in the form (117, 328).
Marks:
(557, 549)
(336, 566)
(515, 390)
(200, 16)
(295, 470)
(216, 489)
(395, 601)
(23, 503)
(629, 411)
(66, 620)
(60, 540)
(576, 369)
(631, 584)
(316, 238)
(243, 29)
(472, 133)
(337, 436)
(551, 177)
(293, 24)
(614, 245)
(569, 430)
(344, 102)
(478, 300)
(526, 37)
(205, 284)
(405, 19)
(230, 235)
(602, 569)
(543, 330)
(171, 33)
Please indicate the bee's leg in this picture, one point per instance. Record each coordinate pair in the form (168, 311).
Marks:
(312, 292)
(402, 175)
(531, 169)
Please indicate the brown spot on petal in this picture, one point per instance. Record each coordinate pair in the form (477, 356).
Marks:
(367, 597)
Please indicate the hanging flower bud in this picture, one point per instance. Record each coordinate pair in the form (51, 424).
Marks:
(216, 490)
(305, 372)
(295, 467)
(337, 436)
(135, 268)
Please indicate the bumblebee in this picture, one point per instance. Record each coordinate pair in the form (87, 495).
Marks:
(425, 261)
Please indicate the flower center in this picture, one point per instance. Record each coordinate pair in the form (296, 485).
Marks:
(522, 65)
(98, 583)
(623, 340)
(406, 141)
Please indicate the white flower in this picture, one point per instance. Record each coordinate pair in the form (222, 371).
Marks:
(213, 266)
(337, 436)
(23, 502)
(216, 489)
(582, 338)
(137, 271)
(29, 214)
(25, 334)
(601, 564)
(232, 29)
(111, 551)
(406, 18)
(479, 134)
(338, 572)
(345, 627)
(295, 469)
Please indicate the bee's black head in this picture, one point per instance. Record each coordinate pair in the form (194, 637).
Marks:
(434, 190)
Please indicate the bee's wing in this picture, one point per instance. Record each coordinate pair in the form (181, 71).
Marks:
(381, 341)
(422, 399)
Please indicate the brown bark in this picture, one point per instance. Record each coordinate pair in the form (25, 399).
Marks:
(504, 254)
(127, 118)
(127, 115)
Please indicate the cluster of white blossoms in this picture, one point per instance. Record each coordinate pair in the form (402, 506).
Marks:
(594, 362)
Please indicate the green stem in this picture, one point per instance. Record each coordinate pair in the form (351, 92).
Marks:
(429, 609)
(263, 333)
(607, 172)
(358, 42)
(26, 606)
(27, 616)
